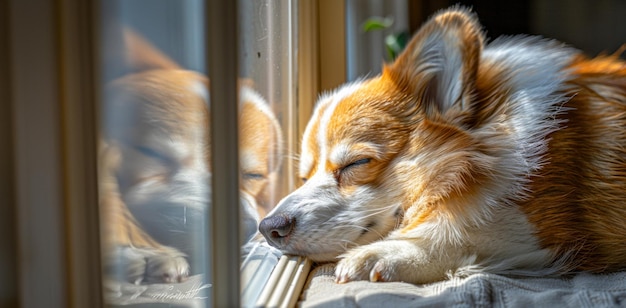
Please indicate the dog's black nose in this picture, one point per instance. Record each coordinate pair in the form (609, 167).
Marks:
(277, 229)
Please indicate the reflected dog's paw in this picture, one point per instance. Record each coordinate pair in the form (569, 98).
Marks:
(149, 265)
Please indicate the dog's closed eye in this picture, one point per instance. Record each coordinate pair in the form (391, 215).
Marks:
(359, 162)
(253, 176)
(343, 171)
(154, 154)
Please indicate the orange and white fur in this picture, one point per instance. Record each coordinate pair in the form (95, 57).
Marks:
(462, 156)
(155, 165)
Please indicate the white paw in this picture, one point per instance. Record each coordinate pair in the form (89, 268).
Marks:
(137, 265)
(373, 262)
(389, 260)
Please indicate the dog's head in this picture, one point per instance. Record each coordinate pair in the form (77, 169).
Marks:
(375, 148)
(158, 122)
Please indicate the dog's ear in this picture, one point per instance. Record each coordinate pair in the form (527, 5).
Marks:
(440, 63)
(127, 52)
(141, 55)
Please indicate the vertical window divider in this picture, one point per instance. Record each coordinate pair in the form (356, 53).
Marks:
(79, 103)
(222, 55)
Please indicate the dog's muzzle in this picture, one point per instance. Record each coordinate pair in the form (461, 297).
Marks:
(277, 229)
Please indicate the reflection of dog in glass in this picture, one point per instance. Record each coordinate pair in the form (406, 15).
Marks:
(154, 166)
(507, 157)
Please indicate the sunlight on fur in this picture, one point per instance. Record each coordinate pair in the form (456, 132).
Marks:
(465, 156)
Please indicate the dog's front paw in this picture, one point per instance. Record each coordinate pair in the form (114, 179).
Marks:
(168, 267)
(148, 265)
(390, 260)
(374, 262)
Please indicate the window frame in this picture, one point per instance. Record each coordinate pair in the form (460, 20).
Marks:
(51, 51)
(53, 153)
(221, 30)
(8, 240)
(77, 55)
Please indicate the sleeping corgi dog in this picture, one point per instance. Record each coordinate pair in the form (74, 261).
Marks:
(155, 169)
(462, 156)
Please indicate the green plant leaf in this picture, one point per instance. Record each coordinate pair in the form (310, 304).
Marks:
(377, 23)
(395, 43)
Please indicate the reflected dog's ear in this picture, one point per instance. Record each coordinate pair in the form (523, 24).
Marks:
(128, 52)
(141, 55)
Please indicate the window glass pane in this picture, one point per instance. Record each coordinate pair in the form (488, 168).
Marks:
(267, 65)
(267, 131)
(154, 159)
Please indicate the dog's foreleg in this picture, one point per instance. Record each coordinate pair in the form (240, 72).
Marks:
(397, 259)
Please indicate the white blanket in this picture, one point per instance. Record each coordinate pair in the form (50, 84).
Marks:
(479, 290)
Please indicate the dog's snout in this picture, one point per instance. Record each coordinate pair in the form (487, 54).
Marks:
(277, 229)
